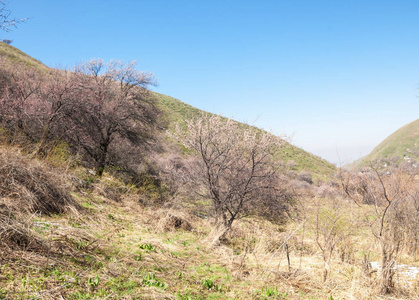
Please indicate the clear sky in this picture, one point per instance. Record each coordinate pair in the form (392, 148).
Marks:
(339, 76)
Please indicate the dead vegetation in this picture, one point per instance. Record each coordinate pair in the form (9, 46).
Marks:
(28, 186)
(119, 249)
(17, 234)
(66, 233)
(173, 221)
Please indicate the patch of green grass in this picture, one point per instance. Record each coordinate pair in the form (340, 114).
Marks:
(210, 285)
(150, 279)
(273, 292)
(148, 247)
(188, 295)
(123, 285)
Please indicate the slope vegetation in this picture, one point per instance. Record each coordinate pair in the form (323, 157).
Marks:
(66, 233)
(177, 111)
(402, 143)
(14, 55)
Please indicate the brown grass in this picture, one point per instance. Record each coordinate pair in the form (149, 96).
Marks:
(28, 186)
(173, 221)
(16, 234)
(56, 255)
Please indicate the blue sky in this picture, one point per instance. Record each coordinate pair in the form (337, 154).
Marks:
(338, 76)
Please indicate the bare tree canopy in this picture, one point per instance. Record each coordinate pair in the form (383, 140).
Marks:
(112, 105)
(393, 197)
(236, 169)
(101, 109)
(7, 22)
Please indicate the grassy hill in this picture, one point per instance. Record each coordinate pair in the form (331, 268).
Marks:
(404, 142)
(68, 234)
(16, 56)
(176, 111)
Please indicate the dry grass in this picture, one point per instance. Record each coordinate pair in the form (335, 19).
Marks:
(17, 234)
(116, 247)
(28, 186)
(174, 221)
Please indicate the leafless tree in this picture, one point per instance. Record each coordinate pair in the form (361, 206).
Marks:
(387, 193)
(332, 227)
(236, 170)
(56, 93)
(6, 22)
(19, 99)
(110, 106)
(101, 109)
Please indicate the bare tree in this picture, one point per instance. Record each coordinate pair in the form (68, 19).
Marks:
(56, 93)
(19, 99)
(332, 227)
(31, 103)
(236, 170)
(388, 194)
(6, 22)
(103, 110)
(110, 106)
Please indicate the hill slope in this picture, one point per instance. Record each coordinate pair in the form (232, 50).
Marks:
(16, 56)
(403, 142)
(176, 111)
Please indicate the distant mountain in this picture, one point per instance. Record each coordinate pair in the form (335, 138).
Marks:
(176, 111)
(403, 144)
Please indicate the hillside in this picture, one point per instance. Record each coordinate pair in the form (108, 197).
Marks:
(107, 240)
(16, 56)
(68, 232)
(403, 142)
(177, 111)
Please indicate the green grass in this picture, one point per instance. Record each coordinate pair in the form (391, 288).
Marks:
(176, 111)
(305, 161)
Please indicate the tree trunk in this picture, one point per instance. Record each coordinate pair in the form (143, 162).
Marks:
(101, 163)
(220, 229)
(387, 271)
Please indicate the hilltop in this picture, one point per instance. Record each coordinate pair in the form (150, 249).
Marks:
(14, 55)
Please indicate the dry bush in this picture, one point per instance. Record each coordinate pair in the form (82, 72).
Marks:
(27, 186)
(111, 188)
(16, 234)
(174, 221)
(327, 190)
(390, 195)
(306, 177)
(256, 236)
